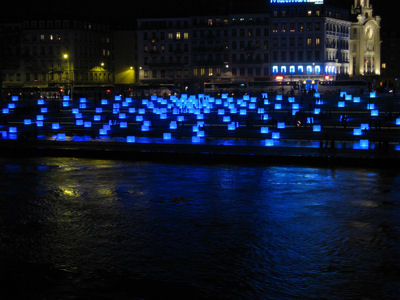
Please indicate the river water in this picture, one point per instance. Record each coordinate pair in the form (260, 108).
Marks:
(91, 229)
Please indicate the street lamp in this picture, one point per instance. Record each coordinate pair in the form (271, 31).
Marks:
(68, 79)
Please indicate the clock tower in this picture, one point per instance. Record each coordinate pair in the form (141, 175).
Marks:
(365, 42)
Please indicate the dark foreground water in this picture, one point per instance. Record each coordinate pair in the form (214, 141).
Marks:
(89, 229)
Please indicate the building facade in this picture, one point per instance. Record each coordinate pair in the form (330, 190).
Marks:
(365, 41)
(194, 50)
(309, 41)
(55, 54)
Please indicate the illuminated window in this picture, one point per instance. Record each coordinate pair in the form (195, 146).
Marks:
(309, 41)
(178, 35)
(275, 69)
(317, 41)
(309, 69)
(300, 69)
(186, 35)
(292, 69)
(170, 35)
(202, 71)
(301, 27)
(309, 13)
(210, 22)
(283, 70)
(317, 69)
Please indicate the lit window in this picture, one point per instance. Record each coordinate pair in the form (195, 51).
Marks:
(317, 41)
(317, 69)
(170, 35)
(309, 69)
(309, 13)
(186, 35)
(309, 41)
(178, 35)
(292, 69)
(300, 69)
(283, 70)
(275, 69)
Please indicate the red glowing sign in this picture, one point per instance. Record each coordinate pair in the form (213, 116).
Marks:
(279, 78)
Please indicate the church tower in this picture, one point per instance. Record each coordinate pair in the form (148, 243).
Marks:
(365, 41)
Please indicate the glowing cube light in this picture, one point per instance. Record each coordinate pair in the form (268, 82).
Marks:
(55, 126)
(87, 124)
(27, 122)
(276, 135)
(341, 104)
(60, 137)
(96, 118)
(357, 131)
(43, 110)
(317, 128)
(269, 143)
(166, 136)
(123, 125)
(317, 111)
(264, 130)
(12, 130)
(364, 144)
(5, 111)
(281, 125)
(372, 95)
(279, 98)
(130, 139)
(374, 113)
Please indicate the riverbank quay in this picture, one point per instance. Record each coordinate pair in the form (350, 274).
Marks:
(217, 153)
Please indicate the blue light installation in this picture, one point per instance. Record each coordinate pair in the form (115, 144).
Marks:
(130, 139)
(5, 111)
(276, 135)
(55, 126)
(60, 137)
(12, 130)
(43, 110)
(374, 113)
(317, 128)
(264, 130)
(357, 131)
(27, 121)
(167, 136)
(281, 125)
(269, 143)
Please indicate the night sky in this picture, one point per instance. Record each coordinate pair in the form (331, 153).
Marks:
(118, 11)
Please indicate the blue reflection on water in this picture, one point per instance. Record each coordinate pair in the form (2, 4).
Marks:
(214, 231)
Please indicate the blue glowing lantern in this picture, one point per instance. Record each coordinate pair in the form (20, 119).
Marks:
(265, 117)
(39, 118)
(291, 99)
(87, 124)
(200, 117)
(163, 116)
(372, 95)
(364, 126)
(357, 131)
(276, 135)
(79, 122)
(221, 112)
(39, 123)
(82, 105)
(370, 106)
(269, 143)
(374, 113)
(142, 111)
(317, 95)
(281, 125)
(195, 139)
(123, 125)
(398, 121)
(364, 144)
(104, 102)
(317, 111)
(27, 122)
(11, 105)
(75, 111)
(82, 100)
(139, 118)
(43, 110)
(341, 104)
(279, 98)
(102, 131)
(226, 119)
(130, 139)
(12, 130)
(356, 99)
(260, 110)
(317, 128)
(117, 98)
(295, 106)
(145, 128)
(252, 106)
(264, 130)
(40, 102)
(55, 126)
(60, 137)
(14, 98)
(78, 116)
(65, 104)
(167, 136)
(5, 111)
(66, 98)
(180, 118)
(131, 110)
(200, 133)
(231, 126)
(243, 112)
(342, 94)
(195, 128)
(173, 125)
(294, 112)
(278, 106)
(96, 118)
(4, 134)
(99, 110)
(348, 97)
(122, 116)
(266, 102)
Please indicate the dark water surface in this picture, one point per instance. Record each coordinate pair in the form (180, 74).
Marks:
(90, 229)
